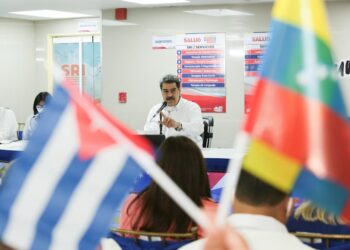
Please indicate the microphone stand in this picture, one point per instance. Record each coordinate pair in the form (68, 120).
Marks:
(160, 123)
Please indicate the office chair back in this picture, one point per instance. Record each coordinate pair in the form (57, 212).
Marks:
(138, 240)
(207, 135)
(325, 241)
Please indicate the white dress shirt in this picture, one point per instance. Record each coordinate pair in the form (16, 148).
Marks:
(8, 125)
(260, 232)
(186, 112)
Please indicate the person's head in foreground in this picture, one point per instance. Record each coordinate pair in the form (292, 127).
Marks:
(259, 216)
(310, 212)
(182, 160)
(254, 196)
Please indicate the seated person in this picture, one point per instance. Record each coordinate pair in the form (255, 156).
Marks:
(176, 115)
(38, 106)
(8, 125)
(260, 214)
(152, 209)
(311, 219)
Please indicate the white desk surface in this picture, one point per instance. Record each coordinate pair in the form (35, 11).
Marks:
(219, 153)
(16, 145)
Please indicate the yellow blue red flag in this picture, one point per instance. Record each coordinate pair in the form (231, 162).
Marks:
(300, 134)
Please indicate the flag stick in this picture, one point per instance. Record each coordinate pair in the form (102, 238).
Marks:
(232, 174)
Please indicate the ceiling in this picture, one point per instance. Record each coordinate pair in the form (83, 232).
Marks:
(93, 7)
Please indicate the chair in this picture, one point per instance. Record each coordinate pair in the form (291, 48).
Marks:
(325, 241)
(207, 135)
(139, 240)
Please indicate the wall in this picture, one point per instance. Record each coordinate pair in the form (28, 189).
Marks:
(17, 66)
(53, 27)
(339, 20)
(130, 64)
(23, 68)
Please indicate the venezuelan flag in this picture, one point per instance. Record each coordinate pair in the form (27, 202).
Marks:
(300, 135)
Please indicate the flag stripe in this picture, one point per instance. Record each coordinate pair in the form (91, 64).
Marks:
(23, 218)
(25, 162)
(293, 140)
(116, 194)
(278, 170)
(138, 141)
(292, 12)
(346, 211)
(58, 201)
(290, 72)
(86, 198)
(328, 195)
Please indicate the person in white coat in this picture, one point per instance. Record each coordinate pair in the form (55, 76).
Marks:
(8, 125)
(176, 115)
(259, 216)
(38, 107)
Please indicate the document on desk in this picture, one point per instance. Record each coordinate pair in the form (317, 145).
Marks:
(14, 145)
(6, 141)
(221, 153)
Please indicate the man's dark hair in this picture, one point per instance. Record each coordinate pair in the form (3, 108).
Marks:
(170, 79)
(256, 192)
(182, 160)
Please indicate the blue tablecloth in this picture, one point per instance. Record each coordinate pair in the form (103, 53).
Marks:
(8, 155)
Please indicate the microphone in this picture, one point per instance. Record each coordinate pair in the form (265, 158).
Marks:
(164, 104)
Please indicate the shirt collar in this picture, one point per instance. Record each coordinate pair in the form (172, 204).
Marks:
(257, 222)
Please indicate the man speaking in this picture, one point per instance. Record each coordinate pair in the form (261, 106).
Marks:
(176, 115)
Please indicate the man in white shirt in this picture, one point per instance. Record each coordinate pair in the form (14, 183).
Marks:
(176, 115)
(8, 125)
(260, 214)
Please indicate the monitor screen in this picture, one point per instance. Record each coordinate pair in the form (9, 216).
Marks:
(155, 140)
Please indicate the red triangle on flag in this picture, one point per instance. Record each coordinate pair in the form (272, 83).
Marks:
(92, 137)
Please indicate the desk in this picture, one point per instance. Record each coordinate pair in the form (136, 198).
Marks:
(9, 151)
(217, 158)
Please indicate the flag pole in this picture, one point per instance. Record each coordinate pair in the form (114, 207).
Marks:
(232, 173)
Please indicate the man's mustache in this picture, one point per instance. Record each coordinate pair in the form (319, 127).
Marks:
(170, 98)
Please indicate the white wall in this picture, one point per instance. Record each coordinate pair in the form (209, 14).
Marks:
(339, 21)
(17, 66)
(130, 64)
(23, 64)
(43, 29)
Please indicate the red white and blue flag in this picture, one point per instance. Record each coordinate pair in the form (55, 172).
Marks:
(63, 190)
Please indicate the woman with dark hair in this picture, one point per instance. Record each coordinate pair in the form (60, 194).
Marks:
(152, 209)
(38, 106)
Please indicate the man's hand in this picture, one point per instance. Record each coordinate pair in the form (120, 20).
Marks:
(169, 122)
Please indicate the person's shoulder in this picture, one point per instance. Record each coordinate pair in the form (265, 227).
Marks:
(30, 117)
(209, 202)
(156, 106)
(6, 110)
(130, 198)
(260, 239)
(189, 103)
(194, 245)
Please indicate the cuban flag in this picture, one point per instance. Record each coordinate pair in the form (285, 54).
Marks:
(63, 190)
